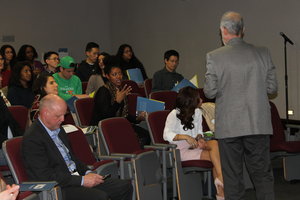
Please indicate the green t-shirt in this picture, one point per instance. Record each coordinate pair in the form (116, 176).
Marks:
(68, 88)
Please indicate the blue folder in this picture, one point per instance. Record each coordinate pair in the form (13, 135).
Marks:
(182, 84)
(149, 105)
(135, 75)
(37, 186)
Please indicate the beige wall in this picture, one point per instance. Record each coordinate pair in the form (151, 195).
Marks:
(191, 27)
(154, 26)
(49, 25)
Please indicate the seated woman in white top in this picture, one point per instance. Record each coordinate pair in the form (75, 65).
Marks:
(184, 128)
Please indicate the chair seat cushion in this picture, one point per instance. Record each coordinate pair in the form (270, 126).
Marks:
(290, 147)
(102, 162)
(197, 163)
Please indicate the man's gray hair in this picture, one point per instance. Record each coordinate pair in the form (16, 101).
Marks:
(233, 22)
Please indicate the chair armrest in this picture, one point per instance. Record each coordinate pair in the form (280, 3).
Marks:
(156, 147)
(171, 146)
(126, 155)
(112, 157)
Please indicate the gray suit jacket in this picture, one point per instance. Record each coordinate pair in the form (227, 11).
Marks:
(240, 76)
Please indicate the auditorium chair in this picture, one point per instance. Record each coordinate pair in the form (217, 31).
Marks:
(83, 152)
(134, 87)
(143, 166)
(288, 150)
(12, 153)
(20, 114)
(187, 175)
(84, 86)
(84, 111)
(148, 87)
(169, 97)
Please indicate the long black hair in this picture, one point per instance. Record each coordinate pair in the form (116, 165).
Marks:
(2, 52)
(187, 101)
(22, 53)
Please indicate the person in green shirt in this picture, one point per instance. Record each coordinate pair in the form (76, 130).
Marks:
(69, 85)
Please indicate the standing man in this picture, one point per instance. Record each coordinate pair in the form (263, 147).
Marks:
(89, 66)
(47, 156)
(240, 76)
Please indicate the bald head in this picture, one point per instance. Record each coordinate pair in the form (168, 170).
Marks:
(52, 110)
(233, 22)
(51, 100)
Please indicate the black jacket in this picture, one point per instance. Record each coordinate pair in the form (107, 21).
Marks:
(43, 160)
(6, 119)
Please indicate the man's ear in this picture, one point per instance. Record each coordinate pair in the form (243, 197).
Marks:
(224, 31)
(165, 60)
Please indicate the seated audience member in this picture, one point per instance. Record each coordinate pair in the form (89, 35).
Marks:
(20, 85)
(8, 192)
(128, 60)
(1, 70)
(89, 66)
(9, 54)
(47, 156)
(3, 90)
(111, 101)
(43, 85)
(8, 127)
(69, 85)
(167, 78)
(183, 127)
(28, 53)
(51, 59)
(97, 80)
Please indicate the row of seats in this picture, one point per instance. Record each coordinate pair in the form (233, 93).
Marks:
(279, 147)
(144, 167)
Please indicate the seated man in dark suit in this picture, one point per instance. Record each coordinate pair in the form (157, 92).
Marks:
(47, 156)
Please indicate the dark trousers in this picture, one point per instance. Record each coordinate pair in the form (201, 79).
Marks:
(111, 189)
(255, 151)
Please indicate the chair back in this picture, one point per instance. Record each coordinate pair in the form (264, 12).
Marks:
(80, 147)
(132, 101)
(84, 110)
(118, 135)
(156, 124)
(169, 97)
(134, 86)
(84, 86)
(203, 97)
(148, 86)
(12, 152)
(20, 114)
(277, 140)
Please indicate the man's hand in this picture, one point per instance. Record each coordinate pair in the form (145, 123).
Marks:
(91, 180)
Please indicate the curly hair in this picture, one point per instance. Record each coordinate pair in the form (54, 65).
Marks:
(187, 101)
(16, 74)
